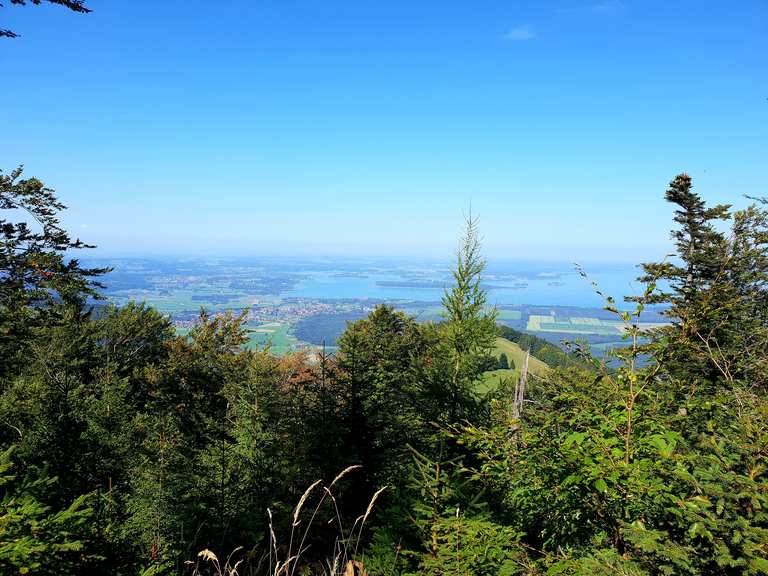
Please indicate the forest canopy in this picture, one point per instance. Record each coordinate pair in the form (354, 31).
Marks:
(129, 449)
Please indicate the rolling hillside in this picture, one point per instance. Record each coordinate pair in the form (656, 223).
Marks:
(516, 355)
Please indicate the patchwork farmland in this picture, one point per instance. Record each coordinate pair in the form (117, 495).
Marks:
(581, 325)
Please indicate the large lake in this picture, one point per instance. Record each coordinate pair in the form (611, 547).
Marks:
(560, 286)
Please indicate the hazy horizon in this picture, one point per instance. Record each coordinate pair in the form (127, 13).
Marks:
(370, 254)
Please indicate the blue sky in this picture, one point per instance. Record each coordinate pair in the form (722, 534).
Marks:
(253, 127)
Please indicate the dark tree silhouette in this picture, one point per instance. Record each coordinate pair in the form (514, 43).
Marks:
(74, 5)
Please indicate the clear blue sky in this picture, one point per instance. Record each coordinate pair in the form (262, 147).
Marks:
(248, 127)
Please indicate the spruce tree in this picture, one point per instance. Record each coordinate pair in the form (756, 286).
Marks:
(382, 359)
(469, 329)
(699, 245)
(714, 290)
(39, 286)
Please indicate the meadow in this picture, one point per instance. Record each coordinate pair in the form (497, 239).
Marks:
(277, 337)
(492, 379)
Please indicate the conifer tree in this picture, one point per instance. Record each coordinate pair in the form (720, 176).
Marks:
(714, 290)
(470, 325)
(699, 245)
(39, 285)
(382, 359)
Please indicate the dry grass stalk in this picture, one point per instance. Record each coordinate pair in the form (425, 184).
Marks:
(344, 472)
(371, 503)
(301, 502)
(227, 570)
(355, 568)
(340, 564)
(364, 517)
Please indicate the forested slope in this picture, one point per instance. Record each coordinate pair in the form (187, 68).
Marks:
(127, 449)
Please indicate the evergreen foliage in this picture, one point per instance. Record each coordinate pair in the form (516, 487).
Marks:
(127, 449)
(469, 329)
(382, 360)
(74, 5)
(715, 291)
(33, 538)
(38, 286)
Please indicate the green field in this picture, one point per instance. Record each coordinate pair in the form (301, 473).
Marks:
(181, 300)
(517, 354)
(278, 336)
(509, 315)
(582, 325)
(575, 325)
(493, 378)
(427, 314)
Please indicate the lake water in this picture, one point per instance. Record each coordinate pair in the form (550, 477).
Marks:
(559, 288)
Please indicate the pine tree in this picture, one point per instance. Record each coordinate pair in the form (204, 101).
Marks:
(469, 329)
